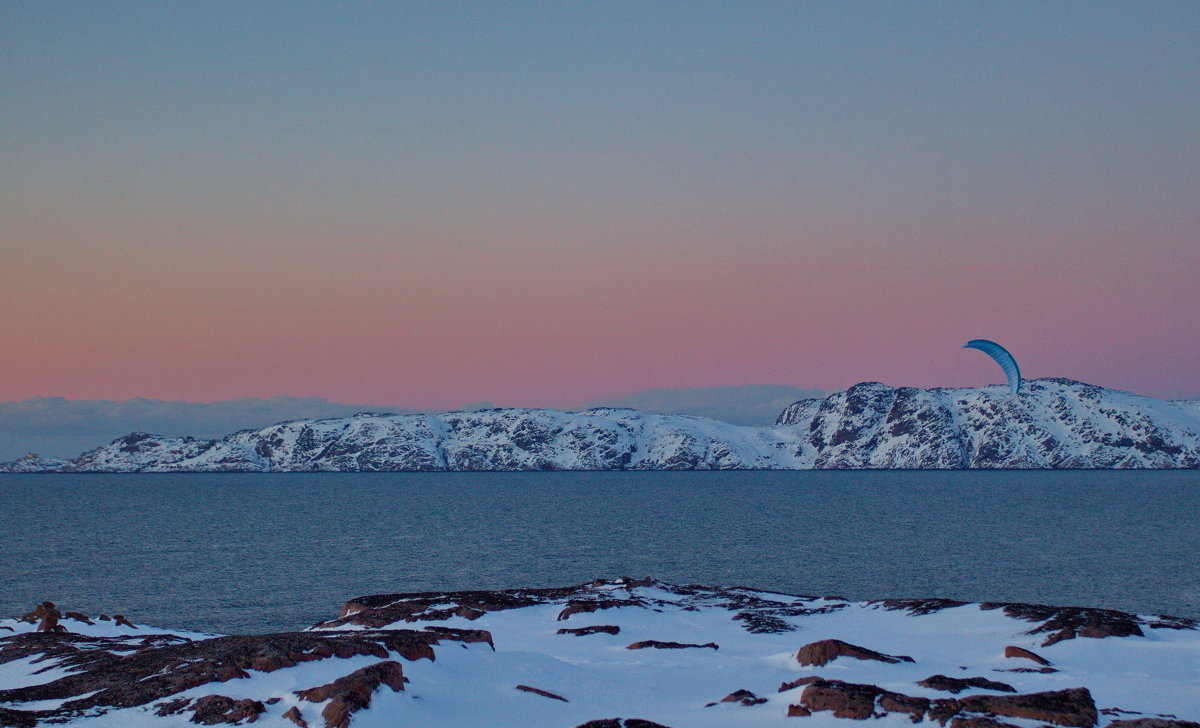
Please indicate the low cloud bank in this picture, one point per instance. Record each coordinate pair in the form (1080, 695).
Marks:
(748, 404)
(57, 427)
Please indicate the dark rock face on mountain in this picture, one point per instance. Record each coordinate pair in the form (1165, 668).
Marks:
(1052, 423)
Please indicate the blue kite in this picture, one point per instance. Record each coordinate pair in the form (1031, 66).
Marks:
(1002, 357)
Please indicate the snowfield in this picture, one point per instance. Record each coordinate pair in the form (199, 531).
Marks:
(645, 652)
(1052, 423)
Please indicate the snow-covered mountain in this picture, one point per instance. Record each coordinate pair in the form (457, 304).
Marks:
(624, 653)
(1052, 423)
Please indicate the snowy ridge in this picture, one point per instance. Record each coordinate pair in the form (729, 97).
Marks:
(618, 653)
(1053, 423)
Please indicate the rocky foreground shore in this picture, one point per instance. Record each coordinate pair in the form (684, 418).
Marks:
(615, 654)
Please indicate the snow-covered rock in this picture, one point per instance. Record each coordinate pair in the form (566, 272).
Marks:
(1052, 423)
(624, 653)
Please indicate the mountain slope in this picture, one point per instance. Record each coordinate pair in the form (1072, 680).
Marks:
(1053, 423)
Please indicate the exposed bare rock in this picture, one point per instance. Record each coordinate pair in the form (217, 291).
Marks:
(111, 672)
(845, 700)
(1152, 723)
(618, 723)
(595, 629)
(381, 610)
(890, 702)
(46, 615)
(825, 651)
(744, 697)
(798, 711)
(957, 685)
(1014, 651)
(918, 607)
(121, 621)
(1065, 623)
(543, 693)
(172, 707)
(659, 645)
(215, 709)
(587, 607)
(294, 715)
(10, 718)
(1073, 707)
(798, 682)
(78, 617)
(351, 693)
(979, 722)
(464, 635)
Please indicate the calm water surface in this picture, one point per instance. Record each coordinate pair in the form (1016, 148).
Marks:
(253, 552)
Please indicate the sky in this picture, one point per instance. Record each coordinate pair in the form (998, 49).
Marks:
(546, 204)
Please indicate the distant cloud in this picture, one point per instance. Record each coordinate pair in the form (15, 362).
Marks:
(749, 404)
(57, 427)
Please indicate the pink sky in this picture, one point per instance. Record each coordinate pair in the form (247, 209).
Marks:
(538, 323)
(405, 206)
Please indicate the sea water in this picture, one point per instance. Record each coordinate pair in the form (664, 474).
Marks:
(259, 552)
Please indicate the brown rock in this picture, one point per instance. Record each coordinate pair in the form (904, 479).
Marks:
(588, 607)
(617, 723)
(1064, 623)
(784, 687)
(353, 692)
(858, 701)
(890, 702)
(596, 629)
(943, 709)
(979, 722)
(1013, 651)
(745, 697)
(105, 618)
(1152, 723)
(47, 617)
(109, 672)
(846, 700)
(825, 651)
(798, 711)
(214, 709)
(630, 583)
(458, 635)
(120, 620)
(17, 718)
(738, 696)
(543, 693)
(78, 617)
(363, 681)
(656, 644)
(1073, 707)
(957, 685)
(172, 707)
(230, 672)
(293, 714)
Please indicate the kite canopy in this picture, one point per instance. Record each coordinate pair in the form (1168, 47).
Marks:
(1002, 357)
